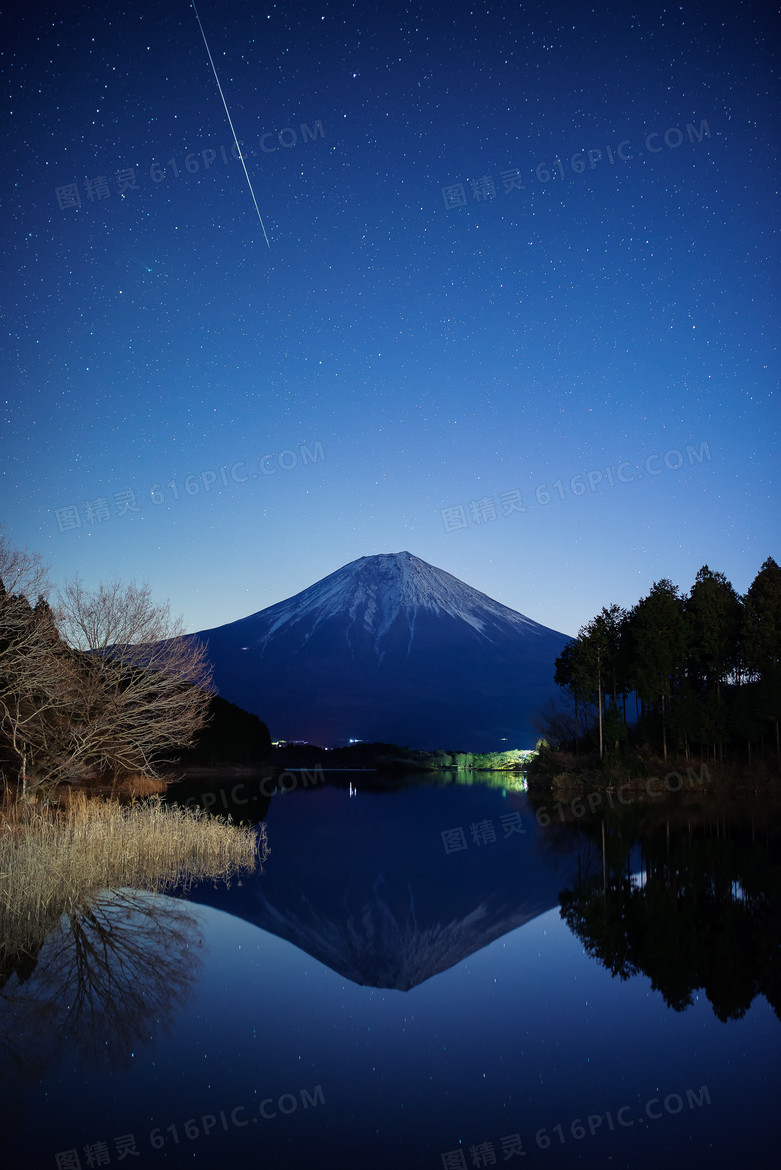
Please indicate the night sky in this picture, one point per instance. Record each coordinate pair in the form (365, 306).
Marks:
(516, 316)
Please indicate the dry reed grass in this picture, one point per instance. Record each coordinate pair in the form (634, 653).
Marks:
(53, 861)
(136, 786)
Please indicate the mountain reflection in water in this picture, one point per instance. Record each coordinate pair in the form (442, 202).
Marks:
(481, 974)
(388, 907)
(379, 900)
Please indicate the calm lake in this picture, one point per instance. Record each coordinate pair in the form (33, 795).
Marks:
(442, 975)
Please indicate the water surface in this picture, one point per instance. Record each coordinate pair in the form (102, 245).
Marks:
(423, 977)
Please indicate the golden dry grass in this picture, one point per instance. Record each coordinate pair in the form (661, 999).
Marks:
(52, 861)
(136, 786)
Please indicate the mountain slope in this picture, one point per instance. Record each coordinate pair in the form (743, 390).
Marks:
(389, 648)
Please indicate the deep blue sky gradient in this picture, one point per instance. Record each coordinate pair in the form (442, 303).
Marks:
(440, 356)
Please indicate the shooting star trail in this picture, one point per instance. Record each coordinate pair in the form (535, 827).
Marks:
(230, 123)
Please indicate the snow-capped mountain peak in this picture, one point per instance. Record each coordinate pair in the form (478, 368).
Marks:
(389, 647)
(373, 592)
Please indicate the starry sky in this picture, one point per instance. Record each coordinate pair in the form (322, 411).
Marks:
(515, 315)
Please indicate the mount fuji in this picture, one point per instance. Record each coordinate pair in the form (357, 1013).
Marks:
(389, 648)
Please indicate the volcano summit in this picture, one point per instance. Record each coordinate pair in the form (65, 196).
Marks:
(389, 648)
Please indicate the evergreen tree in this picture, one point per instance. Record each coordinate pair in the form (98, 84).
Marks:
(713, 616)
(566, 675)
(762, 640)
(658, 636)
(592, 659)
(705, 668)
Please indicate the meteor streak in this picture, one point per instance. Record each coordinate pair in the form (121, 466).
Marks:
(230, 123)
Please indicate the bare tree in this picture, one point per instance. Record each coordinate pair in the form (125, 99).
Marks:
(22, 572)
(35, 688)
(558, 719)
(34, 675)
(107, 977)
(143, 686)
(555, 721)
(107, 681)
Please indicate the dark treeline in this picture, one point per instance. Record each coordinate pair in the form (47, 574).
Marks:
(697, 673)
(391, 757)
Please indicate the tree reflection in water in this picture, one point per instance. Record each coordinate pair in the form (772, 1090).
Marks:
(106, 981)
(705, 912)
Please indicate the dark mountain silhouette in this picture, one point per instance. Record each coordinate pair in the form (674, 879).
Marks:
(231, 736)
(389, 648)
